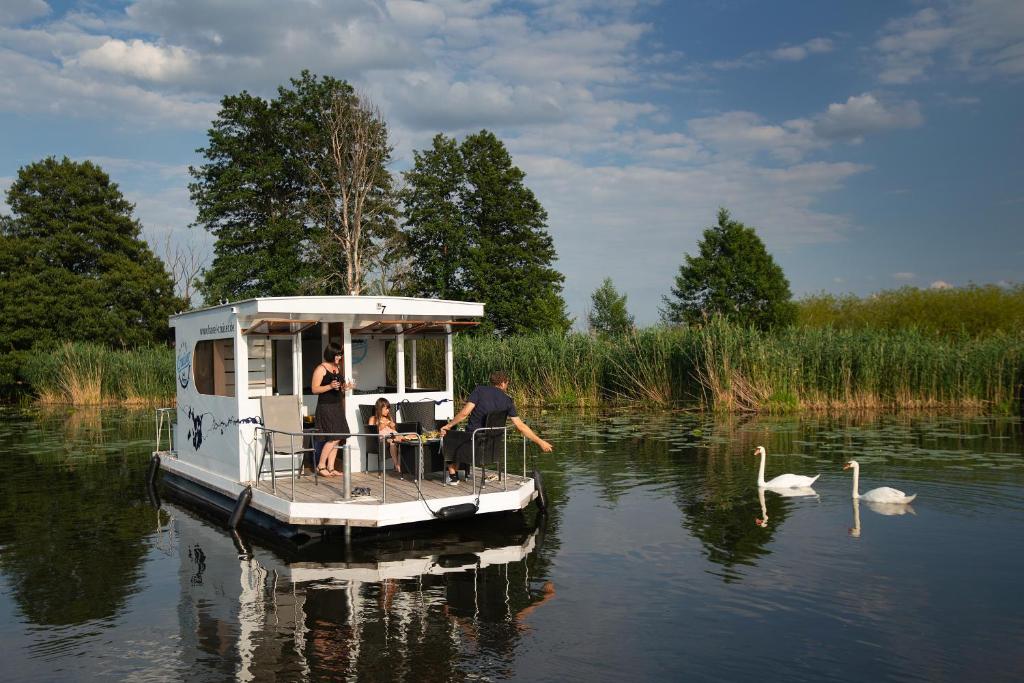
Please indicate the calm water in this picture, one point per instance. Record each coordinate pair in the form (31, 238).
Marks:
(650, 566)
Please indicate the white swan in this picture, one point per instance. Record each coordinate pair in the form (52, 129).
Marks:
(883, 494)
(783, 481)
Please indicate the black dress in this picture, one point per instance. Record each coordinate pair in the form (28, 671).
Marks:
(330, 409)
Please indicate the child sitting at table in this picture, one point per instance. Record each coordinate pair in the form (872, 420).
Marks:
(385, 425)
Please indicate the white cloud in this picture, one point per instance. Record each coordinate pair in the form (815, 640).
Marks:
(984, 38)
(13, 12)
(864, 114)
(783, 53)
(28, 86)
(745, 133)
(139, 59)
(797, 53)
(940, 284)
(905, 276)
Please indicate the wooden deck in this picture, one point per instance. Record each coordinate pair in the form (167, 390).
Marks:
(332, 489)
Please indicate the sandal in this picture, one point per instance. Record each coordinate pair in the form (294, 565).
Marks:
(320, 471)
(335, 473)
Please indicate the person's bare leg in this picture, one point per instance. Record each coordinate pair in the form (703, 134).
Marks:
(330, 453)
(395, 460)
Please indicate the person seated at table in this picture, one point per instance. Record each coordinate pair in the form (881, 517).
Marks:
(385, 424)
(484, 400)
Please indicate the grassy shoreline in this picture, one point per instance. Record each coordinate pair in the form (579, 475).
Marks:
(717, 367)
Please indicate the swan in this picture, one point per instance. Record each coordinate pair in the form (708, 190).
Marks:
(783, 481)
(883, 494)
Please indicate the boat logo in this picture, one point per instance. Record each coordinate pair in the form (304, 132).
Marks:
(183, 365)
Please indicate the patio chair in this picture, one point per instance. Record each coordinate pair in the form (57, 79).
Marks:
(489, 444)
(421, 412)
(283, 433)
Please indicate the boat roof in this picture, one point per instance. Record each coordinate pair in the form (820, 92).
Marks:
(391, 309)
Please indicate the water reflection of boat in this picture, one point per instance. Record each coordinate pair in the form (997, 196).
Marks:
(421, 601)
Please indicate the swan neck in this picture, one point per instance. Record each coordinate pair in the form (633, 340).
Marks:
(760, 469)
(856, 482)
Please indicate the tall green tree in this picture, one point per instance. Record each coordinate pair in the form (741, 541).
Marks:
(73, 265)
(608, 314)
(250, 195)
(271, 192)
(475, 231)
(733, 276)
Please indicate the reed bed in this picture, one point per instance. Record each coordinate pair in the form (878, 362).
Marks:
(80, 374)
(724, 367)
(717, 367)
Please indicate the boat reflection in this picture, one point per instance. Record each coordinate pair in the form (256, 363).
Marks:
(437, 605)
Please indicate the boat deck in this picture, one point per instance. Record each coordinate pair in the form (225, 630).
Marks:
(332, 489)
(389, 502)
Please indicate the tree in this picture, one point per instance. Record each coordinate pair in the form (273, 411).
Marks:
(250, 195)
(734, 276)
(608, 314)
(295, 190)
(344, 150)
(73, 265)
(477, 232)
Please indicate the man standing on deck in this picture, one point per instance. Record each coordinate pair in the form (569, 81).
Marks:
(484, 400)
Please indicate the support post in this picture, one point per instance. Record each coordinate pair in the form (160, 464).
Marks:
(400, 361)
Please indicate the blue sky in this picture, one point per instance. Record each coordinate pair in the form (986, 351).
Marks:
(872, 144)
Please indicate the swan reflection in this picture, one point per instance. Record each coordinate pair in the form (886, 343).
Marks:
(887, 509)
(796, 492)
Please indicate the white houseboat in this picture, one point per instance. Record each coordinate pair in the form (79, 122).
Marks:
(241, 428)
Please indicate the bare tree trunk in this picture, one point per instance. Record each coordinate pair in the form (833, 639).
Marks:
(356, 157)
(185, 264)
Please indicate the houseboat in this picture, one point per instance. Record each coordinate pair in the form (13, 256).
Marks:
(241, 439)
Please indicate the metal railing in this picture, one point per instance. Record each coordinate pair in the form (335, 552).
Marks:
(165, 420)
(504, 446)
(269, 449)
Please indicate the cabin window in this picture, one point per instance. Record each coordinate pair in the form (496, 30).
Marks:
(270, 366)
(213, 367)
(427, 374)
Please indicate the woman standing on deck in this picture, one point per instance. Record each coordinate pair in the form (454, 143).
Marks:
(329, 387)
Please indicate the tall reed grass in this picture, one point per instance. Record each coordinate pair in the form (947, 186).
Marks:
(719, 366)
(724, 367)
(80, 373)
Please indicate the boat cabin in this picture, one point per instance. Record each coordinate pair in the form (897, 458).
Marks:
(235, 361)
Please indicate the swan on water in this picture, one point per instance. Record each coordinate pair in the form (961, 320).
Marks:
(883, 494)
(783, 481)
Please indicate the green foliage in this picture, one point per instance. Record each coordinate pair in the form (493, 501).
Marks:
(73, 265)
(608, 314)
(265, 193)
(734, 276)
(476, 232)
(972, 311)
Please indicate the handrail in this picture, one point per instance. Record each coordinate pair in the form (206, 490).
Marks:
(329, 436)
(165, 416)
(504, 442)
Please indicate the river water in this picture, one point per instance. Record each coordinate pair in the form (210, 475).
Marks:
(658, 561)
